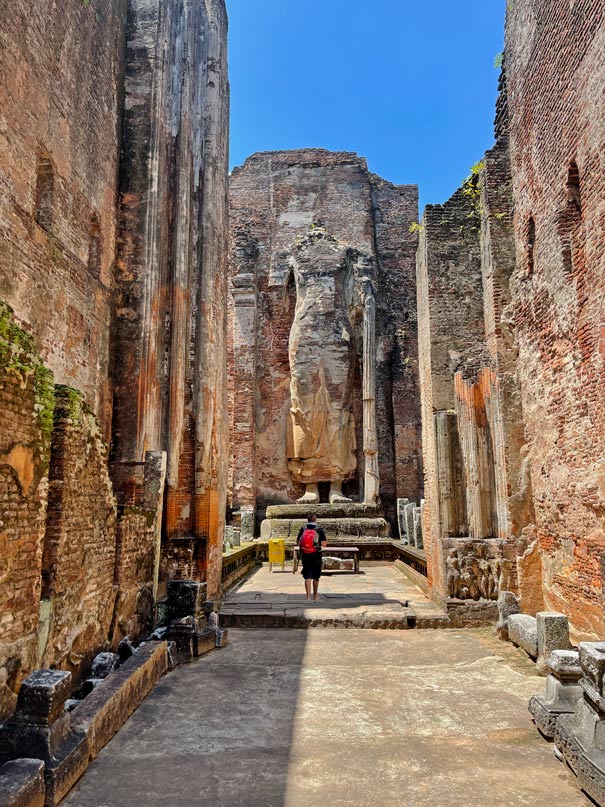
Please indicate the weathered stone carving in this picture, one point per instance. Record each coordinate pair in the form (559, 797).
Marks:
(334, 293)
(562, 694)
(579, 737)
(470, 575)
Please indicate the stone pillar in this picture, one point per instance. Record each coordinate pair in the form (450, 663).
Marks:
(153, 500)
(244, 393)
(477, 452)
(370, 438)
(450, 476)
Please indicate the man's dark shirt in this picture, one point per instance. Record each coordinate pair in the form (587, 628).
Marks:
(319, 530)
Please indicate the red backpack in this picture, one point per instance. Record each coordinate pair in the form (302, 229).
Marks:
(309, 542)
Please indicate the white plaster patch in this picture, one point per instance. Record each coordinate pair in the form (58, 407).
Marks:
(296, 218)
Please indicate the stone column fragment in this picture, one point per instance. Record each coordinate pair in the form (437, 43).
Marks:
(370, 437)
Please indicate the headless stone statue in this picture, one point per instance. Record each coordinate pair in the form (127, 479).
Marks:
(322, 351)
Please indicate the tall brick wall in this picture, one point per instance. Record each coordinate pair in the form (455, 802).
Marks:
(450, 333)
(79, 552)
(60, 79)
(78, 569)
(478, 481)
(170, 336)
(275, 198)
(76, 576)
(26, 407)
(555, 58)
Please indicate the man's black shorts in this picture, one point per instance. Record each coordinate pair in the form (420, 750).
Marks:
(311, 565)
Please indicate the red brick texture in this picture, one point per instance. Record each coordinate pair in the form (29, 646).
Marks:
(60, 73)
(555, 61)
(26, 406)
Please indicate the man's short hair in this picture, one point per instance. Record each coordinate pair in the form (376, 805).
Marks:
(312, 517)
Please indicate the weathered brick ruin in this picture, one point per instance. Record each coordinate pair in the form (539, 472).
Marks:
(113, 222)
(181, 349)
(510, 288)
(277, 200)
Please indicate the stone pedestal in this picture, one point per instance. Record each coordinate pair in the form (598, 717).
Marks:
(343, 523)
(41, 729)
(192, 621)
(580, 737)
(562, 694)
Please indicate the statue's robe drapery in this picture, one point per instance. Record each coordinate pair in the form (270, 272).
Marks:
(322, 351)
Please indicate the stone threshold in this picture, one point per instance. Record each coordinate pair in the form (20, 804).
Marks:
(276, 616)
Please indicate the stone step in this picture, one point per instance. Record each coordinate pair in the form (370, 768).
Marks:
(246, 615)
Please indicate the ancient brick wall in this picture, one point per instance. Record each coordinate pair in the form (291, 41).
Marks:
(450, 334)
(60, 78)
(170, 368)
(26, 407)
(79, 552)
(275, 198)
(555, 60)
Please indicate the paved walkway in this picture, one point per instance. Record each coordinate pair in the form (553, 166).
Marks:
(379, 597)
(328, 718)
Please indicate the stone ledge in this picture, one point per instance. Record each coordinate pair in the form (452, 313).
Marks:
(349, 529)
(22, 783)
(346, 510)
(110, 705)
(314, 617)
(523, 632)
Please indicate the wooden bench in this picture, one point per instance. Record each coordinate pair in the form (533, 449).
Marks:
(331, 550)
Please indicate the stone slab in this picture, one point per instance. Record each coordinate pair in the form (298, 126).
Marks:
(523, 631)
(108, 707)
(22, 783)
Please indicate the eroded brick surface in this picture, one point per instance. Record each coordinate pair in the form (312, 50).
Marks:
(555, 60)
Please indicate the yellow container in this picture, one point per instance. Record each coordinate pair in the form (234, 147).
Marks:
(277, 550)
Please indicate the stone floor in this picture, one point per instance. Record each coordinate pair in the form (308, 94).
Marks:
(379, 597)
(293, 718)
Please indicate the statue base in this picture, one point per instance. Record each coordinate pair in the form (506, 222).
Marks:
(344, 522)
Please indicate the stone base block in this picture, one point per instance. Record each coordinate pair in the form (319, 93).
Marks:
(471, 613)
(346, 510)
(65, 771)
(523, 632)
(22, 783)
(545, 716)
(337, 529)
(108, 707)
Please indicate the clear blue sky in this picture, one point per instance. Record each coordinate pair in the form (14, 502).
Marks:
(409, 85)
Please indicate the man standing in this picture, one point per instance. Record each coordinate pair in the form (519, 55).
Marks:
(311, 540)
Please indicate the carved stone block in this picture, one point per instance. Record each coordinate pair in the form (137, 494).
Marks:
(563, 691)
(553, 634)
(42, 696)
(580, 737)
